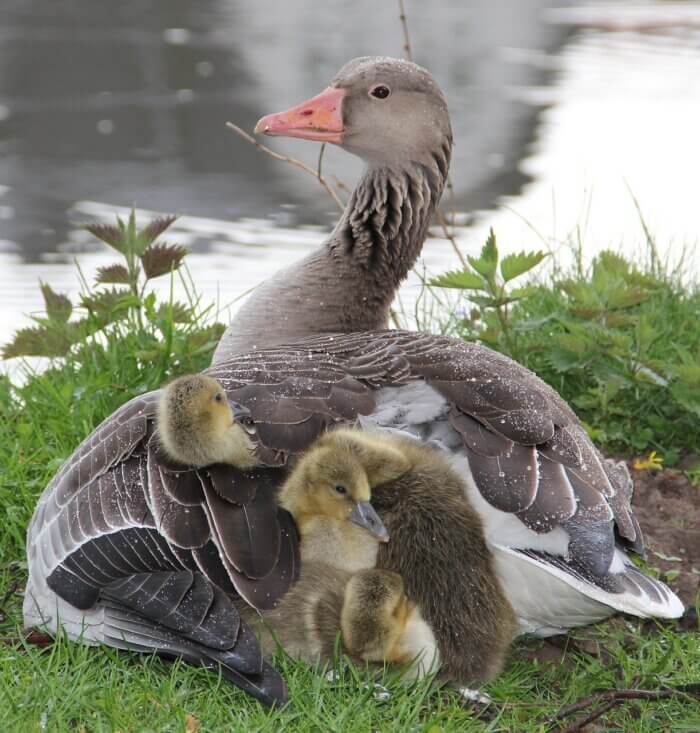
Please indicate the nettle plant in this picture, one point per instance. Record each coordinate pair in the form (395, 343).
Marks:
(488, 280)
(120, 304)
(619, 343)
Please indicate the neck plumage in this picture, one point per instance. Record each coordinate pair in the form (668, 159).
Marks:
(350, 282)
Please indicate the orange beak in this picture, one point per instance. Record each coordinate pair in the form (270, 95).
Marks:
(319, 118)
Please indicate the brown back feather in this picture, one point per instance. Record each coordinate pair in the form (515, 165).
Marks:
(437, 545)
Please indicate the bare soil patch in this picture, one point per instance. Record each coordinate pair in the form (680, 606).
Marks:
(667, 506)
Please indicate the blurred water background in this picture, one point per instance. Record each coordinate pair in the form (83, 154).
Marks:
(565, 114)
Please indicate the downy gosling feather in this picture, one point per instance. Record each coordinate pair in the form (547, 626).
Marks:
(198, 426)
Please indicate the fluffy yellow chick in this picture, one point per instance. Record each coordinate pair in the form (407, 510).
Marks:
(198, 425)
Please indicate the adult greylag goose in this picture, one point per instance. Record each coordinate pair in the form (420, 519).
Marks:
(556, 513)
(129, 548)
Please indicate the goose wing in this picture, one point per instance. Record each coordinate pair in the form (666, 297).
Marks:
(130, 550)
(527, 452)
(296, 392)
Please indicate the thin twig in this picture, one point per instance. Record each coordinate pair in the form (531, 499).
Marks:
(448, 235)
(451, 194)
(285, 158)
(617, 696)
(581, 723)
(341, 185)
(404, 25)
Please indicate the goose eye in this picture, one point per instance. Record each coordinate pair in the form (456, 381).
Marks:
(218, 397)
(380, 91)
(341, 489)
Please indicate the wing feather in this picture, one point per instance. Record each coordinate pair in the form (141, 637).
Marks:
(112, 441)
(247, 534)
(184, 526)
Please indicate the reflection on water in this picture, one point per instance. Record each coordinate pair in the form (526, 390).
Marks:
(618, 136)
(558, 113)
(126, 102)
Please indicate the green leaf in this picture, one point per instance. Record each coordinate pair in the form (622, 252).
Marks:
(113, 236)
(612, 262)
(461, 279)
(588, 313)
(112, 274)
(160, 259)
(487, 261)
(514, 265)
(571, 343)
(134, 245)
(176, 312)
(627, 297)
(562, 360)
(207, 336)
(109, 305)
(148, 355)
(155, 228)
(489, 252)
(58, 306)
(533, 324)
(619, 320)
(41, 341)
(524, 292)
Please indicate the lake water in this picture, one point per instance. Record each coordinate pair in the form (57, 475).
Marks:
(564, 114)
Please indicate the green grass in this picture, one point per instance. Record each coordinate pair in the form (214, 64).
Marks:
(69, 687)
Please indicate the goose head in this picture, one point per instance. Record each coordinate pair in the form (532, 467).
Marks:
(198, 425)
(386, 111)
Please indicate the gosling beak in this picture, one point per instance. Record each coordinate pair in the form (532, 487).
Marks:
(241, 414)
(364, 515)
(319, 118)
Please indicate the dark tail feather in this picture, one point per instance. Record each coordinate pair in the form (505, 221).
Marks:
(125, 629)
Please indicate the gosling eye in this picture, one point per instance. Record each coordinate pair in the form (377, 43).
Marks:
(340, 489)
(218, 397)
(380, 91)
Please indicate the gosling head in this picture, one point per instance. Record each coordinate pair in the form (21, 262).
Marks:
(374, 615)
(198, 425)
(330, 481)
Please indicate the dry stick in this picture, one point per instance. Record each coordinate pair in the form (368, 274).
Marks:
(285, 158)
(581, 723)
(440, 216)
(448, 235)
(404, 25)
(341, 185)
(617, 696)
